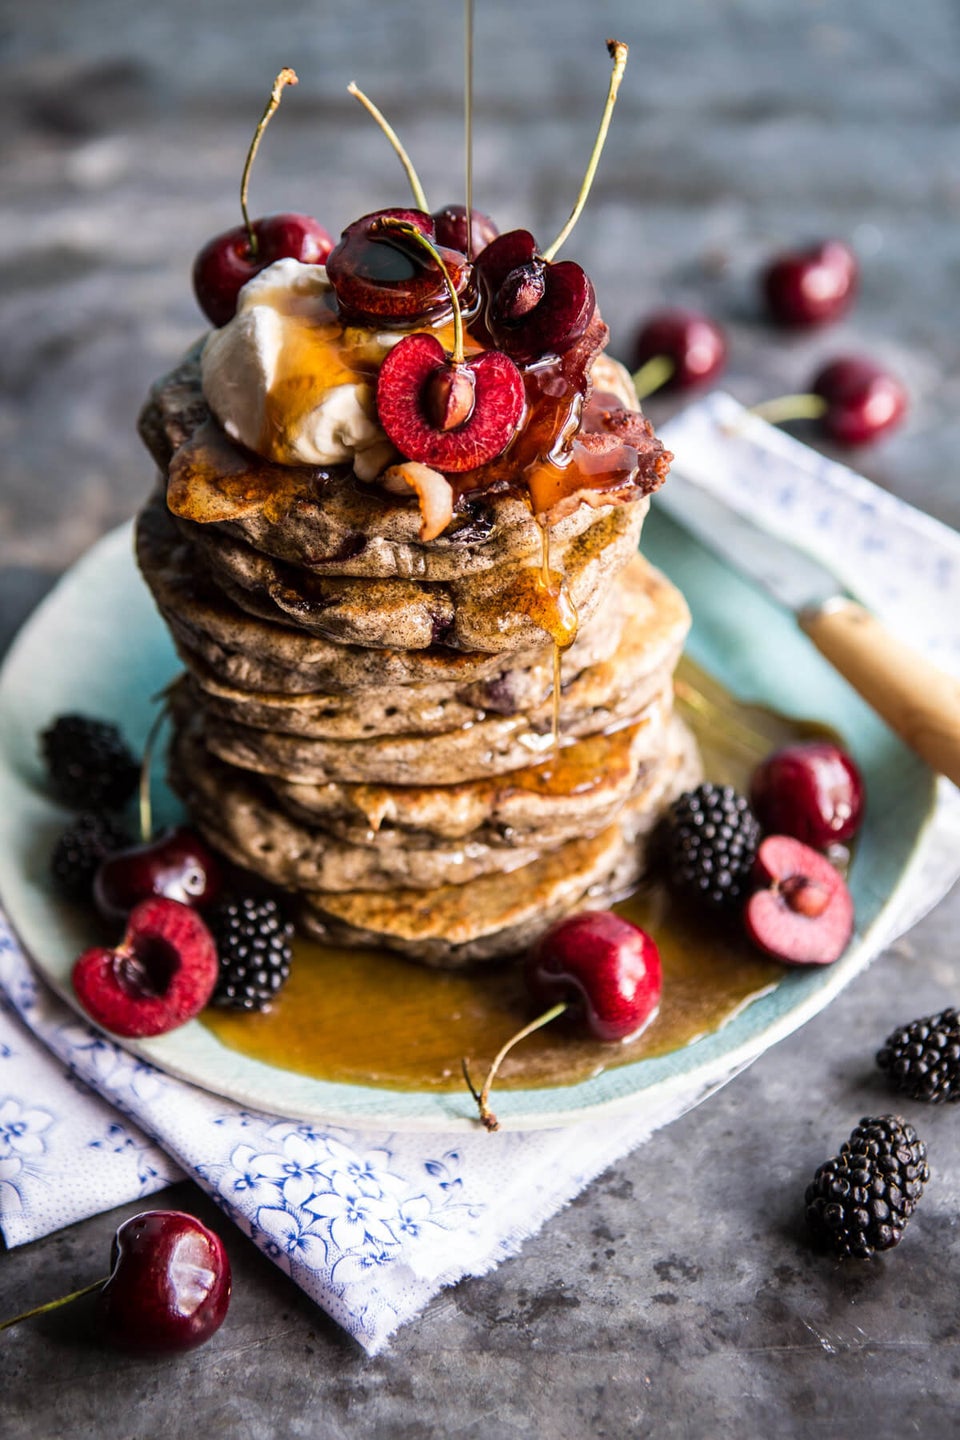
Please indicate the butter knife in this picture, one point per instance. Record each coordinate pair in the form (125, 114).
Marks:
(920, 702)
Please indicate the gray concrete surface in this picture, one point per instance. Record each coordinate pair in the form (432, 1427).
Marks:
(677, 1297)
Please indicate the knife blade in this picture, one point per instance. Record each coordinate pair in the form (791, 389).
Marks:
(920, 702)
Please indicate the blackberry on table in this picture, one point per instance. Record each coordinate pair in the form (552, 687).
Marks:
(922, 1059)
(860, 1201)
(80, 851)
(91, 766)
(711, 837)
(254, 948)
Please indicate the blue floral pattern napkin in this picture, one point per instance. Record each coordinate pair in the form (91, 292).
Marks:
(372, 1226)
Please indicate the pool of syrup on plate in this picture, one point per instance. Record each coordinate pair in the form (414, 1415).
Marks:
(366, 1017)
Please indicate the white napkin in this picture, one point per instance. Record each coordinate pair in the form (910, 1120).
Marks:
(371, 1226)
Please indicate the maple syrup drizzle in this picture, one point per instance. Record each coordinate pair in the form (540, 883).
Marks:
(468, 117)
(556, 613)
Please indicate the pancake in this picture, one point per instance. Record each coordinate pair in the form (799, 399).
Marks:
(239, 816)
(578, 792)
(247, 653)
(650, 644)
(495, 745)
(328, 520)
(495, 916)
(501, 609)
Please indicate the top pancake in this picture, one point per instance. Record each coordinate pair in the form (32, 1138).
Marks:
(332, 523)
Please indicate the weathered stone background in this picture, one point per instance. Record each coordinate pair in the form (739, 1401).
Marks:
(676, 1297)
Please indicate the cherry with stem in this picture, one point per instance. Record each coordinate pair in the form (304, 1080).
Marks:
(677, 349)
(175, 864)
(854, 399)
(601, 968)
(226, 262)
(169, 1288)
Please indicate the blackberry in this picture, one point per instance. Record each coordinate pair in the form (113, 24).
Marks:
(254, 949)
(923, 1058)
(860, 1201)
(91, 767)
(711, 839)
(81, 849)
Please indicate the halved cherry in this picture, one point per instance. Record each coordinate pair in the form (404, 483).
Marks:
(533, 308)
(378, 273)
(443, 410)
(453, 415)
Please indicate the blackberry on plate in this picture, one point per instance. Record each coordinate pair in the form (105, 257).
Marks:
(254, 948)
(91, 766)
(711, 839)
(922, 1059)
(82, 849)
(860, 1201)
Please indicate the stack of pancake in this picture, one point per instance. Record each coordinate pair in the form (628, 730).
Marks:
(367, 720)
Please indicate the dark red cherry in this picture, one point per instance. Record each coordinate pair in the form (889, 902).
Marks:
(812, 790)
(450, 224)
(226, 262)
(170, 1285)
(451, 416)
(607, 968)
(812, 286)
(694, 345)
(534, 307)
(168, 1290)
(863, 400)
(176, 864)
(380, 275)
(602, 969)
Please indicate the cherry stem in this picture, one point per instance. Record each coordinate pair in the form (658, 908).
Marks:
(790, 407)
(146, 764)
(618, 52)
(468, 118)
(394, 139)
(482, 1098)
(286, 77)
(55, 1304)
(387, 223)
(653, 375)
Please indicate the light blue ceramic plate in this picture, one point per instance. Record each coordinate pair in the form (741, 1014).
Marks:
(97, 646)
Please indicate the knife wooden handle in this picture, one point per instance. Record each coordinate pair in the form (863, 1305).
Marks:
(916, 699)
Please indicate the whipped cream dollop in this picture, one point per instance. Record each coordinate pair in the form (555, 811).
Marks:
(285, 377)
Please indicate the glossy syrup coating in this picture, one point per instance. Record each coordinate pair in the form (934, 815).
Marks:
(378, 275)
